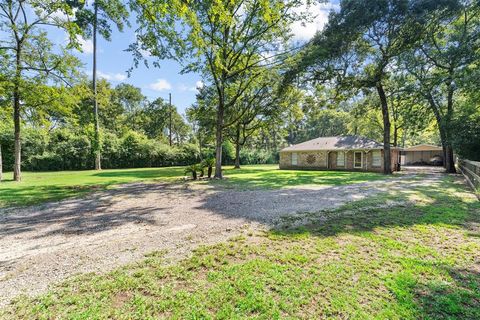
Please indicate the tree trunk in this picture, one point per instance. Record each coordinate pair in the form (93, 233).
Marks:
(387, 163)
(209, 172)
(1, 164)
(219, 140)
(200, 145)
(395, 135)
(237, 148)
(97, 143)
(170, 119)
(448, 160)
(17, 171)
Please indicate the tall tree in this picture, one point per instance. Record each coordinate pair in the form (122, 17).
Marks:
(226, 41)
(251, 112)
(364, 39)
(443, 61)
(29, 52)
(96, 19)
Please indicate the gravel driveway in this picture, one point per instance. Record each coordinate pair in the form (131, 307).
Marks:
(42, 245)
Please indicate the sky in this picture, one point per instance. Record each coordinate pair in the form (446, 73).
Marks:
(113, 62)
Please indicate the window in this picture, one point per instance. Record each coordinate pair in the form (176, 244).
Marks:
(340, 159)
(358, 159)
(376, 159)
(294, 159)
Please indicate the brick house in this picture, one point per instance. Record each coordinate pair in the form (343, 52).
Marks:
(350, 153)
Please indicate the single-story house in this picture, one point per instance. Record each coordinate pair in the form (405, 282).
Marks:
(422, 154)
(352, 153)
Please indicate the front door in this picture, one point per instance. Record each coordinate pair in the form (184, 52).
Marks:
(358, 159)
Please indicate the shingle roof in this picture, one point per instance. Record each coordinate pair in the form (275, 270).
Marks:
(336, 143)
(423, 147)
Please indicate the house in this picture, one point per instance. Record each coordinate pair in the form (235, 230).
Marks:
(352, 153)
(422, 154)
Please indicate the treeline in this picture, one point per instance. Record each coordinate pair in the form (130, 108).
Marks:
(397, 71)
(405, 66)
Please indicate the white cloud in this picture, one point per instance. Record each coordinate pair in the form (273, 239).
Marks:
(199, 84)
(86, 45)
(318, 18)
(160, 85)
(112, 76)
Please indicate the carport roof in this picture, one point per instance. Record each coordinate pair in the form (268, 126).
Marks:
(336, 143)
(423, 147)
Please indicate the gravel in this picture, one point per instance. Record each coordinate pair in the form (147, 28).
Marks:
(42, 245)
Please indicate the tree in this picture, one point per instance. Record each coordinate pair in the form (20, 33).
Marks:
(360, 45)
(443, 61)
(95, 19)
(226, 41)
(253, 109)
(30, 54)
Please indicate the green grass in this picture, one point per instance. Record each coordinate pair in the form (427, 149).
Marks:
(270, 177)
(415, 259)
(38, 187)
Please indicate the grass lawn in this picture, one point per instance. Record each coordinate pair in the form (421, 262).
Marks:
(417, 258)
(37, 187)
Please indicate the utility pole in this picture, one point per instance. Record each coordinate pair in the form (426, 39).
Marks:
(97, 148)
(170, 115)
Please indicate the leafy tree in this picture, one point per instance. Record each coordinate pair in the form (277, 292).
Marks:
(361, 44)
(442, 63)
(31, 56)
(252, 111)
(96, 19)
(226, 41)
(127, 104)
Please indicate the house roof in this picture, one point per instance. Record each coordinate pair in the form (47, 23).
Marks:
(336, 143)
(423, 147)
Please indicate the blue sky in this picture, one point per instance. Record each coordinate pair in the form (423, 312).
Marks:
(113, 62)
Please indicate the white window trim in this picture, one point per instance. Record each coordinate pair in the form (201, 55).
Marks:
(338, 153)
(361, 161)
(296, 158)
(380, 161)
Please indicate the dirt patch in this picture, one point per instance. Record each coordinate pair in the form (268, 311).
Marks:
(43, 245)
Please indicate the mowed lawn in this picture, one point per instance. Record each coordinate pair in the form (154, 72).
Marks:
(412, 253)
(37, 187)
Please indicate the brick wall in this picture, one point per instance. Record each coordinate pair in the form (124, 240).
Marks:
(304, 161)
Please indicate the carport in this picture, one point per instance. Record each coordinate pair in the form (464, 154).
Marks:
(422, 154)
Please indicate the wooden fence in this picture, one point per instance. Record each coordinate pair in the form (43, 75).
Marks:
(471, 171)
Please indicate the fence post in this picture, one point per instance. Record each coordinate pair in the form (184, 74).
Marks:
(471, 171)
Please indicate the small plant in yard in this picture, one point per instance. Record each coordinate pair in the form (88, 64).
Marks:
(209, 163)
(193, 170)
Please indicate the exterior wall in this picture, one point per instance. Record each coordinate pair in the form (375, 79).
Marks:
(419, 157)
(321, 160)
(305, 160)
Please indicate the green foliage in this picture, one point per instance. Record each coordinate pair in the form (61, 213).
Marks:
(255, 156)
(194, 169)
(466, 139)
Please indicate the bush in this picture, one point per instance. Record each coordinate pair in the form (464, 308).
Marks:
(254, 156)
(466, 140)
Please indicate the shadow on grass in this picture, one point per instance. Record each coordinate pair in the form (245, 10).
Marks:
(432, 288)
(87, 215)
(153, 173)
(274, 179)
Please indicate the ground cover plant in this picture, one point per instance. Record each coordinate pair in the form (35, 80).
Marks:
(38, 187)
(404, 254)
